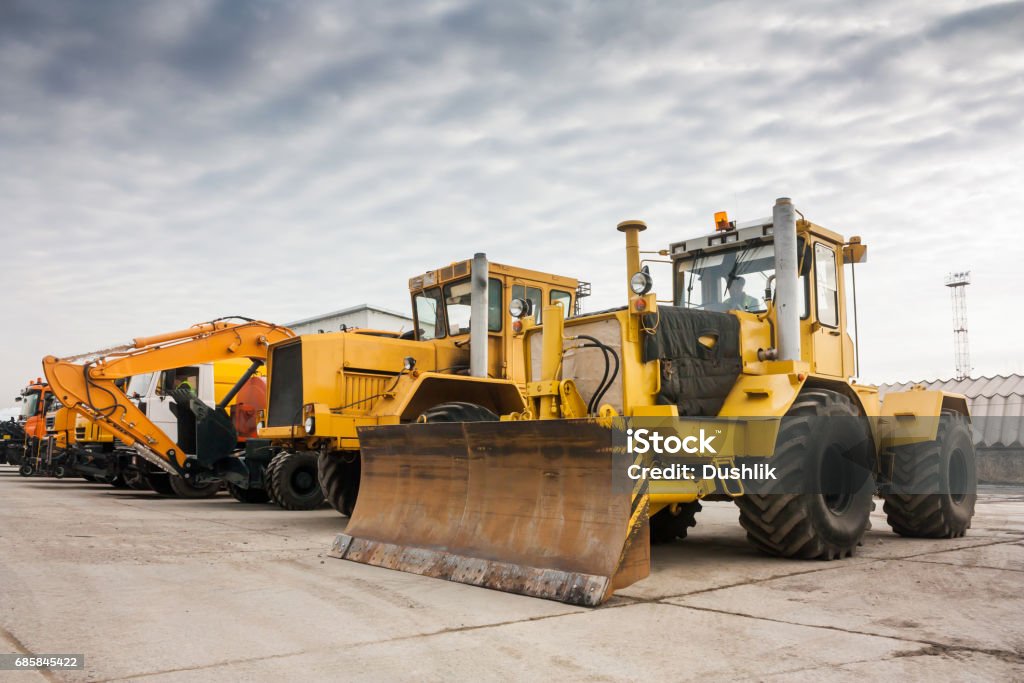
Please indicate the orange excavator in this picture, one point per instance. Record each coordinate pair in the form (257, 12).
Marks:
(203, 454)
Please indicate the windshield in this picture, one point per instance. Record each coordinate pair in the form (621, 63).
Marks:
(457, 302)
(30, 404)
(425, 306)
(458, 306)
(726, 281)
(138, 385)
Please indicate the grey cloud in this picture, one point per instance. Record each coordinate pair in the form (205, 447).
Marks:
(165, 162)
(997, 22)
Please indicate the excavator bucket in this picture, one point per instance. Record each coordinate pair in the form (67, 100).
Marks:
(540, 508)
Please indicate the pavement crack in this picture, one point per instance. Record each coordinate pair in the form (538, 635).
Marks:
(348, 646)
(966, 566)
(201, 667)
(23, 649)
(929, 646)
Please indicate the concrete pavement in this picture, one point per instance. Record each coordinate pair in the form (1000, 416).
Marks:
(167, 589)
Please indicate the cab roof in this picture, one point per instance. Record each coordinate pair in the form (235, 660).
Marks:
(759, 229)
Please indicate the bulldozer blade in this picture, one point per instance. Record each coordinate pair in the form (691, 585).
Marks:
(539, 508)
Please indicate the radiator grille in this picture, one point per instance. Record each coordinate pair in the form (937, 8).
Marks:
(284, 406)
(361, 391)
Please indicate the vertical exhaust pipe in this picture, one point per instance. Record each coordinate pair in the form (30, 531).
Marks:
(478, 317)
(632, 229)
(787, 294)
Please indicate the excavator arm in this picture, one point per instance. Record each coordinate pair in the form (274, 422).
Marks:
(86, 383)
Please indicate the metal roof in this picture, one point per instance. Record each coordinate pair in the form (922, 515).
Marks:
(972, 387)
(997, 406)
(347, 311)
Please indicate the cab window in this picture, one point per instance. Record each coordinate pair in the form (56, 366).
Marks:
(564, 298)
(825, 285)
(138, 385)
(426, 309)
(495, 305)
(31, 404)
(458, 306)
(534, 296)
(172, 379)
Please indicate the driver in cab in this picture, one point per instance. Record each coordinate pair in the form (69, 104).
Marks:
(738, 299)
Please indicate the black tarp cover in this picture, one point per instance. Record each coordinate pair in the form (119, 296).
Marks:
(694, 378)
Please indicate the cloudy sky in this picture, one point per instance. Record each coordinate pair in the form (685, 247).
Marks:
(163, 163)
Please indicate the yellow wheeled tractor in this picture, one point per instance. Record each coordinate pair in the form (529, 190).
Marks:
(740, 389)
(463, 360)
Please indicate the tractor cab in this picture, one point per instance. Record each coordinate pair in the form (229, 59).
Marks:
(442, 304)
(733, 270)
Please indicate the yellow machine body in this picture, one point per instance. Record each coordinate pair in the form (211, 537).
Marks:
(357, 378)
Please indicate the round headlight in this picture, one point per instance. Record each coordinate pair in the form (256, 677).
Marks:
(309, 424)
(517, 308)
(641, 283)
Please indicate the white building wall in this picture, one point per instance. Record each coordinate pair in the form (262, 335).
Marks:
(384, 320)
(361, 317)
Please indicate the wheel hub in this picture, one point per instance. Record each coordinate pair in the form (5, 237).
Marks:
(837, 481)
(957, 476)
(303, 481)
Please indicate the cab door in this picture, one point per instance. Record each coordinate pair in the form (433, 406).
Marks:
(827, 325)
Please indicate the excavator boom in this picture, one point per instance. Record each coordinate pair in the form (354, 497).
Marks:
(89, 387)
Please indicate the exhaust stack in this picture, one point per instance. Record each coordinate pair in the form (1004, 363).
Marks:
(787, 294)
(632, 229)
(478, 317)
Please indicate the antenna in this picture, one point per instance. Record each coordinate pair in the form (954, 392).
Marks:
(957, 283)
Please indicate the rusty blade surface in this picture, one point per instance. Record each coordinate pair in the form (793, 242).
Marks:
(525, 507)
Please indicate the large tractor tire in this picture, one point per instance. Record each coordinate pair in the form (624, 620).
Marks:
(185, 489)
(267, 489)
(160, 482)
(339, 479)
(458, 411)
(935, 484)
(819, 505)
(293, 480)
(674, 522)
(243, 495)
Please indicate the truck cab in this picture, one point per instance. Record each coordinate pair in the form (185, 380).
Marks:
(210, 382)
